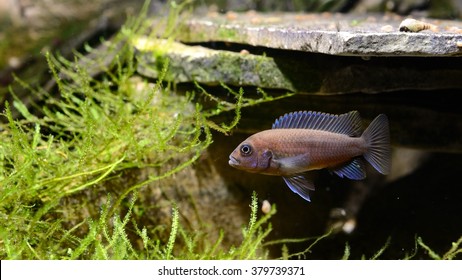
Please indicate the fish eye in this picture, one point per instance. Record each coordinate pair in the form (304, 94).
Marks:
(246, 150)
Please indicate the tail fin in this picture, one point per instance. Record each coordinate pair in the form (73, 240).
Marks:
(377, 137)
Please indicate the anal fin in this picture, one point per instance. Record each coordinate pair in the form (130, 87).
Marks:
(354, 170)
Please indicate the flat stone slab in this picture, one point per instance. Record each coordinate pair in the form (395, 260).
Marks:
(295, 71)
(287, 51)
(335, 34)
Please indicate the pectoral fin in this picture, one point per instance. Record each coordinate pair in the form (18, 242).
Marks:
(293, 165)
(300, 185)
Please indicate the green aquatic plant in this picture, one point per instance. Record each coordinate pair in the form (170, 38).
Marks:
(73, 166)
(452, 253)
(250, 247)
(375, 256)
(286, 255)
(76, 167)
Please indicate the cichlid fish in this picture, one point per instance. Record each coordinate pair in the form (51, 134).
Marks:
(305, 141)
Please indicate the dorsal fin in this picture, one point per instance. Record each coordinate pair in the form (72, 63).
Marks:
(348, 123)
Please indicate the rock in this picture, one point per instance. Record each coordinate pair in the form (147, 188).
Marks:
(336, 34)
(207, 66)
(297, 71)
(310, 53)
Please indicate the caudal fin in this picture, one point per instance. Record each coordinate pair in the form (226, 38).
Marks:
(377, 137)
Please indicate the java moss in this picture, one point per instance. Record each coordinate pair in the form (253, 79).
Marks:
(94, 174)
(105, 170)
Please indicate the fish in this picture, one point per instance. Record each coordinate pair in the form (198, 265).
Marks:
(304, 141)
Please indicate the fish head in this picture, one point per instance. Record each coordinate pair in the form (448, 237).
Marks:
(251, 156)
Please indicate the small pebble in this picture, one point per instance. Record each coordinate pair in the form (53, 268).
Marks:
(244, 52)
(387, 28)
(266, 206)
(349, 226)
(14, 62)
(230, 15)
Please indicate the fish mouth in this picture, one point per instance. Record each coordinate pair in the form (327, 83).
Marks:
(233, 161)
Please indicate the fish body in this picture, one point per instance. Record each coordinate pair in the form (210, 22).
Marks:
(303, 141)
(299, 150)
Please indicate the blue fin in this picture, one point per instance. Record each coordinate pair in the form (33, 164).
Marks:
(377, 137)
(300, 185)
(354, 170)
(349, 123)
